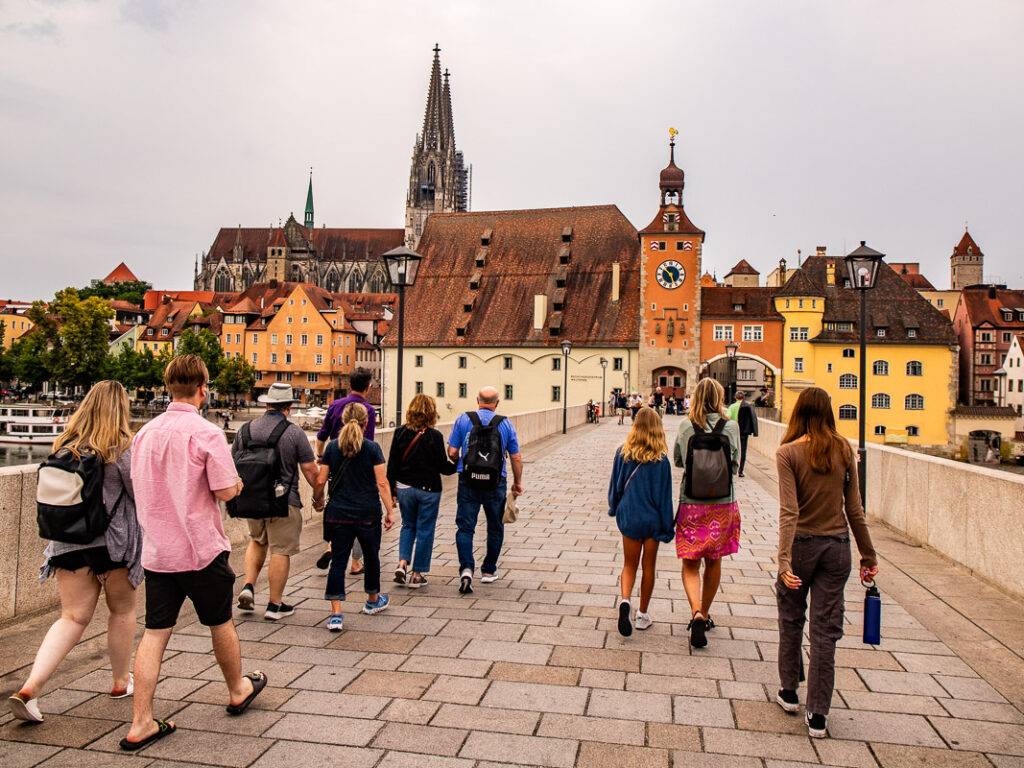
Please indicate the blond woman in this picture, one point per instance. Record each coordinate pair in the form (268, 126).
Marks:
(110, 563)
(706, 529)
(640, 500)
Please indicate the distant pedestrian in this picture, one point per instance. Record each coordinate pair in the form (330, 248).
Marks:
(415, 465)
(358, 484)
(733, 411)
(181, 466)
(747, 421)
(635, 404)
(270, 533)
(659, 401)
(819, 494)
(111, 563)
(686, 403)
(359, 380)
(480, 440)
(621, 404)
(640, 500)
(707, 529)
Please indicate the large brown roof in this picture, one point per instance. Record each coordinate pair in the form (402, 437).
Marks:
(329, 244)
(892, 304)
(523, 258)
(755, 302)
(984, 304)
(967, 246)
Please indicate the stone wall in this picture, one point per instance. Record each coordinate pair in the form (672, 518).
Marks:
(21, 548)
(972, 515)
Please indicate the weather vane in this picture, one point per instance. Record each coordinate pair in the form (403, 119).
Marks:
(672, 133)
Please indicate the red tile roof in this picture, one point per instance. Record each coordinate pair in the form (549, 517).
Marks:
(523, 259)
(121, 274)
(743, 268)
(686, 227)
(984, 304)
(153, 299)
(967, 246)
(330, 244)
(755, 302)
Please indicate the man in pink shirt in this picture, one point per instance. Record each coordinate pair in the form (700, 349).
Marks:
(181, 466)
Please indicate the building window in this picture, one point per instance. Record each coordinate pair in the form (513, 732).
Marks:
(348, 359)
(254, 358)
(287, 358)
(440, 389)
(303, 340)
(747, 374)
(288, 339)
(288, 319)
(1007, 338)
(911, 333)
(847, 413)
(986, 336)
(880, 333)
(848, 381)
(723, 333)
(319, 339)
(616, 363)
(313, 378)
(881, 368)
(255, 339)
(556, 394)
(305, 319)
(880, 400)
(238, 338)
(828, 367)
(798, 334)
(879, 429)
(753, 333)
(849, 352)
(556, 363)
(506, 363)
(939, 303)
(319, 359)
(419, 387)
(986, 359)
(508, 391)
(273, 358)
(915, 402)
(914, 368)
(463, 389)
(800, 303)
(798, 365)
(163, 331)
(273, 339)
(419, 361)
(985, 385)
(259, 375)
(462, 361)
(913, 432)
(737, 307)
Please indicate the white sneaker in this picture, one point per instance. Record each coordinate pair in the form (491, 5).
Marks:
(25, 709)
(642, 621)
(488, 578)
(127, 691)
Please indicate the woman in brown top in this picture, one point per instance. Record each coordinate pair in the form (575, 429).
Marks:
(818, 495)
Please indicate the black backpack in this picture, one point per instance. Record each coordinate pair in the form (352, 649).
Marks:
(259, 466)
(708, 463)
(69, 498)
(484, 459)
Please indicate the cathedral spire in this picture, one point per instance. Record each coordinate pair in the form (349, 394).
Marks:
(433, 136)
(309, 203)
(446, 104)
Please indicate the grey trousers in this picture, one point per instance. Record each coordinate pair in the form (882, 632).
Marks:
(822, 563)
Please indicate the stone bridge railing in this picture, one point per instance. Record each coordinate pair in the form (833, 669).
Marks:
(972, 515)
(21, 548)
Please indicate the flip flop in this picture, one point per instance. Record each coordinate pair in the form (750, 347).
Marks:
(259, 682)
(356, 573)
(163, 728)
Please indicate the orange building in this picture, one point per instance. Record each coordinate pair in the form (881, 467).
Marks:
(746, 316)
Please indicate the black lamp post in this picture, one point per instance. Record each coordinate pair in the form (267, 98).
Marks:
(566, 349)
(604, 392)
(730, 352)
(402, 265)
(862, 269)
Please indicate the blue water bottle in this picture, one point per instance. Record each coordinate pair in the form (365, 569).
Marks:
(872, 613)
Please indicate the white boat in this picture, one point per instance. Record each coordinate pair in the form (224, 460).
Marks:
(32, 424)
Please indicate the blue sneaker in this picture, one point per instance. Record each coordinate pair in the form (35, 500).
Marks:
(335, 622)
(381, 603)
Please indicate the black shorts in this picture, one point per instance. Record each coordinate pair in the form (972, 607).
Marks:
(211, 591)
(96, 559)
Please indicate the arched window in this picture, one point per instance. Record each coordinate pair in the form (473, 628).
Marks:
(914, 403)
(222, 281)
(332, 282)
(848, 381)
(376, 283)
(880, 400)
(914, 368)
(848, 412)
(881, 368)
(431, 174)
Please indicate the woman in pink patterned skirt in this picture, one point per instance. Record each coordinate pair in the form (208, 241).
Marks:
(707, 529)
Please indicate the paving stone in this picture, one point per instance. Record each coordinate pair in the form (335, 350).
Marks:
(694, 710)
(593, 755)
(687, 686)
(500, 650)
(934, 665)
(852, 754)
(106, 708)
(456, 690)
(566, 638)
(536, 697)
(533, 673)
(58, 731)
(320, 678)
(449, 647)
(270, 698)
(883, 681)
(594, 658)
(690, 666)
(631, 705)
(522, 750)
(602, 678)
(327, 729)
(446, 666)
(310, 755)
(409, 711)
(18, 755)
(982, 710)
(428, 739)
(387, 661)
(974, 735)
(407, 759)
(208, 748)
(732, 689)
(64, 699)
(900, 756)
(701, 760)
(321, 657)
(421, 626)
(756, 744)
(668, 736)
(486, 719)
(767, 716)
(862, 658)
(858, 725)
(603, 729)
(81, 758)
(974, 689)
(374, 642)
(341, 704)
(893, 702)
(279, 673)
(403, 685)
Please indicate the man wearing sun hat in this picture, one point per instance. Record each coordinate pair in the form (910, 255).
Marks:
(278, 535)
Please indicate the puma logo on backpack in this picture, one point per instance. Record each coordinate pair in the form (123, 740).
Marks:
(708, 463)
(484, 459)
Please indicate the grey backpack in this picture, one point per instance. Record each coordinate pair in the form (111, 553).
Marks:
(708, 463)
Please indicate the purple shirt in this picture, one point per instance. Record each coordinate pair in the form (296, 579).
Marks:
(332, 421)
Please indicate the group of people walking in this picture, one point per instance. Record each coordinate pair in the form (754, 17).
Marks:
(819, 504)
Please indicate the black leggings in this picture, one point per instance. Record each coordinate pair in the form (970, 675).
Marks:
(342, 536)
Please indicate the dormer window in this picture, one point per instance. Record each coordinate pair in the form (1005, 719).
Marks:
(560, 281)
(1007, 316)
(567, 234)
(485, 238)
(737, 307)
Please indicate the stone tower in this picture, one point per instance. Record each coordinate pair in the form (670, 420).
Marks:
(670, 273)
(966, 265)
(438, 180)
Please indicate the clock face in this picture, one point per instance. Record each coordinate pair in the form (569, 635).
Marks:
(670, 274)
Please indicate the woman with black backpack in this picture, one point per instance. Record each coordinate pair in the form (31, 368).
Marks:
(416, 462)
(111, 562)
(708, 523)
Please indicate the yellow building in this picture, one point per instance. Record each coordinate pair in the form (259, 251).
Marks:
(16, 324)
(166, 324)
(911, 353)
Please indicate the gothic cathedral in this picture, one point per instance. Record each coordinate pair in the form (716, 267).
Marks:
(670, 270)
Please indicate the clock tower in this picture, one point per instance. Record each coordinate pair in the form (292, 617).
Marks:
(670, 270)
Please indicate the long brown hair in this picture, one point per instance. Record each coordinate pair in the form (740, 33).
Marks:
(646, 440)
(708, 398)
(812, 417)
(421, 413)
(350, 440)
(101, 424)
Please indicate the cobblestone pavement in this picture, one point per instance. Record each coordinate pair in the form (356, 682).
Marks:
(531, 671)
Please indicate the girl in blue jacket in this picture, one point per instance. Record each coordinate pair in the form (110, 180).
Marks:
(640, 500)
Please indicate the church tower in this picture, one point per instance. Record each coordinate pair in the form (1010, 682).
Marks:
(670, 273)
(309, 204)
(438, 181)
(967, 264)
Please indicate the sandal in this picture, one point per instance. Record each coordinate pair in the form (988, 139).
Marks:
(697, 629)
(259, 682)
(163, 728)
(709, 624)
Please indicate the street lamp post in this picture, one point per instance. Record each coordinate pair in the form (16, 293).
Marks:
(402, 265)
(862, 269)
(604, 391)
(566, 349)
(730, 352)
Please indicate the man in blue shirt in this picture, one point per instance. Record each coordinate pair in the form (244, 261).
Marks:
(493, 501)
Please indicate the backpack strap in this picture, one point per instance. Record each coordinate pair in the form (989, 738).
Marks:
(243, 434)
(276, 434)
(336, 479)
(719, 426)
(417, 437)
(474, 418)
(495, 420)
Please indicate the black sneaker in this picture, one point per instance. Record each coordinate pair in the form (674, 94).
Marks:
(625, 625)
(698, 628)
(245, 598)
(277, 611)
(324, 560)
(817, 726)
(466, 583)
(788, 700)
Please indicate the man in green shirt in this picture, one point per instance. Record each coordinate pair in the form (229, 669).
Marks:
(734, 410)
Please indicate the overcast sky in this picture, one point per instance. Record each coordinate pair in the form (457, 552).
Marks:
(132, 130)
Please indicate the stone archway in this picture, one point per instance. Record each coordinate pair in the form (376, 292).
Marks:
(671, 380)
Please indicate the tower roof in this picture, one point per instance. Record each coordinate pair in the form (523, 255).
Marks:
(436, 118)
(120, 274)
(672, 177)
(743, 268)
(309, 198)
(967, 246)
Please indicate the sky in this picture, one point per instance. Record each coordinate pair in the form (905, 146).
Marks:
(132, 130)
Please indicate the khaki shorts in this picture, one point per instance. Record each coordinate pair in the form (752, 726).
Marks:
(280, 533)
(621, 411)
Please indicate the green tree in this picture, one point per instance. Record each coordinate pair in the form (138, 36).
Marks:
(28, 360)
(129, 290)
(236, 377)
(76, 334)
(204, 344)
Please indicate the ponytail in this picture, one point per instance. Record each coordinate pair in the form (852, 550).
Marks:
(350, 440)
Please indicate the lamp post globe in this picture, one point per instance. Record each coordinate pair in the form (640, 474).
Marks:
(566, 349)
(402, 265)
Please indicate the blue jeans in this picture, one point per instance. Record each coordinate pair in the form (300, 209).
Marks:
(469, 502)
(419, 517)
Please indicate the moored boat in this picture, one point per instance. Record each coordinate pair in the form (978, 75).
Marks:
(32, 423)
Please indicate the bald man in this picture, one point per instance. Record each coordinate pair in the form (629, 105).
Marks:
(471, 497)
